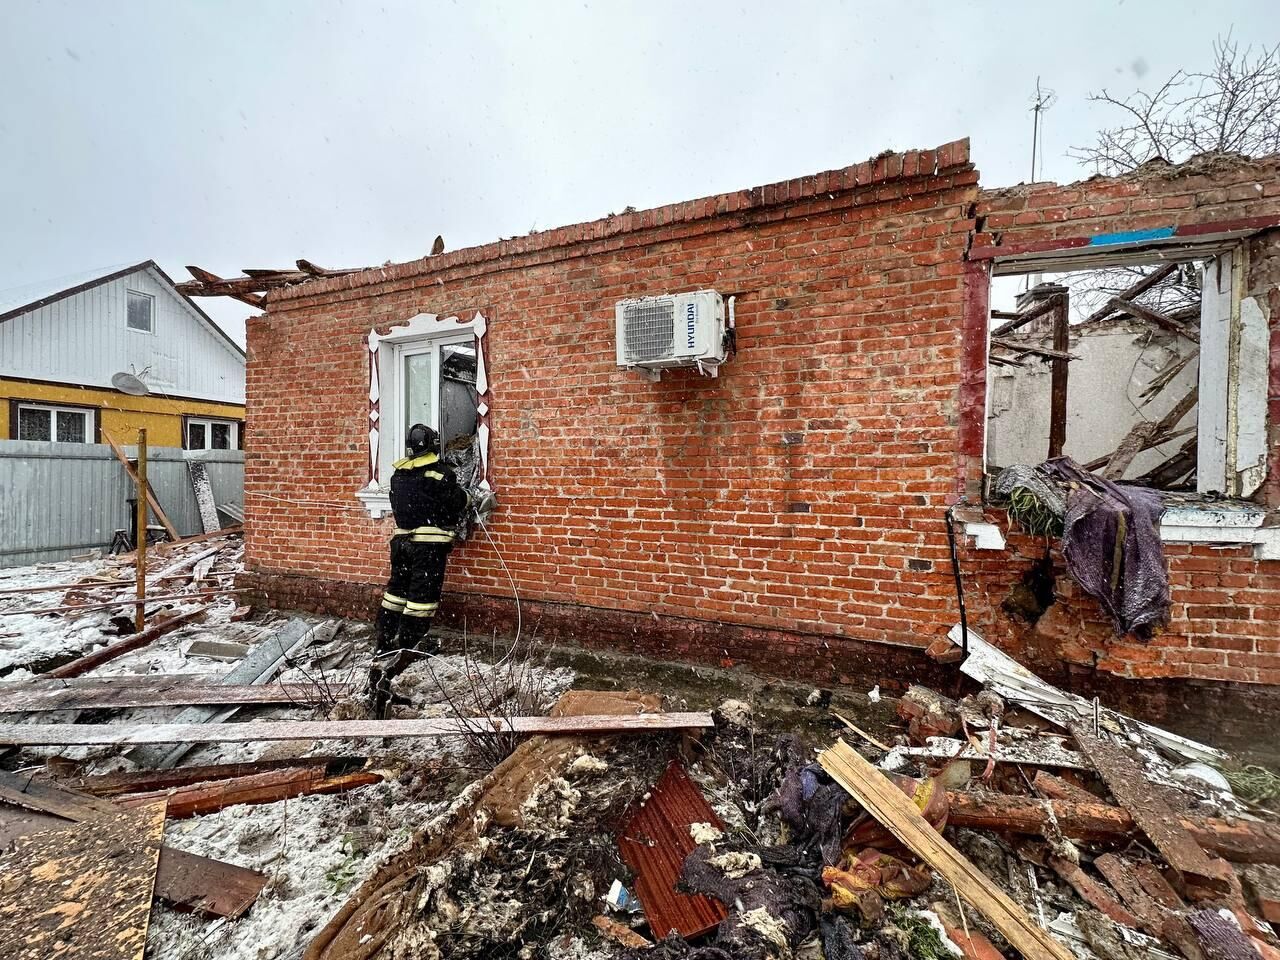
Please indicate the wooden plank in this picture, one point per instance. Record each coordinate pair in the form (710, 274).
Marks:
(107, 734)
(131, 602)
(138, 781)
(1050, 354)
(1092, 892)
(1023, 319)
(97, 658)
(268, 787)
(30, 698)
(1127, 783)
(897, 813)
(203, 491)
(151, 496)
(1146, 434)
(1239, 841)
(49, 587)
(85, 889)
(45, 797)
(183, 880)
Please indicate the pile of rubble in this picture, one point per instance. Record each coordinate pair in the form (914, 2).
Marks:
(212, 787)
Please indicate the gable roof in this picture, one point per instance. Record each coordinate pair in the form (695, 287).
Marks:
(22, 300)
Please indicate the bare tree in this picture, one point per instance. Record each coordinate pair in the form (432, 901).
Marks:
(1233, 107)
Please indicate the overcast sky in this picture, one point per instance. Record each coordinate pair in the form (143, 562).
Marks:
(233, 135)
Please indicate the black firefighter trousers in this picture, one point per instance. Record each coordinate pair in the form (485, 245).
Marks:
(408, 606)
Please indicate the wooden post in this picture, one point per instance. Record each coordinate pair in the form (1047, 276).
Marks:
(140, 552)
(1058, 376)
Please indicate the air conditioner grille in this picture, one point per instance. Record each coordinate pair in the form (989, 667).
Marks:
(649, 327)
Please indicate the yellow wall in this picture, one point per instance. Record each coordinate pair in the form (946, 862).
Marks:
(119, 414)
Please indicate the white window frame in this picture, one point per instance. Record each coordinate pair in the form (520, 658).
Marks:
(424, 333)
(53, 409)
(151, 313)
(207, 423)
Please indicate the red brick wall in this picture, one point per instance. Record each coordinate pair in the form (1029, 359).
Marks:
(1226, 605)
(801, 493)
(803, 489)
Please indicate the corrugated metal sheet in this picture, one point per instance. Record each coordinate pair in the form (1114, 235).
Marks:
(61, 499)
(654, 844)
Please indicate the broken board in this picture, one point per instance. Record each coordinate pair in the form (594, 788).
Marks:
(189, 734)
(1127, 783)
(203, 491)
(183, 880)
(892, 808)
(42, 696)
(82, 892)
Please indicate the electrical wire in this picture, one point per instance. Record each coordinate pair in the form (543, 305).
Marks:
(514, 592)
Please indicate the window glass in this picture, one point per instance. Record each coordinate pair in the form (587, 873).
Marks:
(71, 426)
(220, 436)
(140, 306)
(34, 424)
(418, 400)
(195, 436)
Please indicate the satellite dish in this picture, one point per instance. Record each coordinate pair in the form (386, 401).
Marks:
(128, 383)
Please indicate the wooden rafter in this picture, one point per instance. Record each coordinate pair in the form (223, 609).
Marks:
(255, 282)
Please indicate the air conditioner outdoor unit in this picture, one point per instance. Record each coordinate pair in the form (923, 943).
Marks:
(676, 330)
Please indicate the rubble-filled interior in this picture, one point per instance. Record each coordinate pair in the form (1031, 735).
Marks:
(668, 812)
(1130, 370)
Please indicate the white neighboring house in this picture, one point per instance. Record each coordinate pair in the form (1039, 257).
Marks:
(62, 351)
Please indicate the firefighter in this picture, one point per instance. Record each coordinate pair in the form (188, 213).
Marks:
(428, 504)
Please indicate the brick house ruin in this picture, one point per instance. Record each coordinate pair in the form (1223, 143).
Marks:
(787, 514)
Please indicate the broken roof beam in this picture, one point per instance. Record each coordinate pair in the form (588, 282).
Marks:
(205, 281)
(1045, 352)
(1136, 290)
(1045, 306)
(1155, 317)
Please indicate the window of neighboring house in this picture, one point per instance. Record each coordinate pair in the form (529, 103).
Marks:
(51, 423)
(1138, 370)
(207, 434)
(141, 315)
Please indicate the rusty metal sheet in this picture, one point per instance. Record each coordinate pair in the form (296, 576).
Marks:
(654, 844)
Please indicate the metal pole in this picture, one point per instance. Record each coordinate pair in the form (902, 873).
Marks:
(140, 551)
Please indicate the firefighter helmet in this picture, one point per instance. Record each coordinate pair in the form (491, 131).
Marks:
(422, 439)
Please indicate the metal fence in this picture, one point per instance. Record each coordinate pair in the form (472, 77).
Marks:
(58, 500)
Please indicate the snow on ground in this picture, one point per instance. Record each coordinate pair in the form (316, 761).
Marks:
(315, 851)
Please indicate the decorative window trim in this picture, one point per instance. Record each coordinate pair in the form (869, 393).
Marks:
(375, 494)
(93, 433)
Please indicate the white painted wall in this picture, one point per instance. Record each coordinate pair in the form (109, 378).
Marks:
(83, 339)
(1117, 360)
